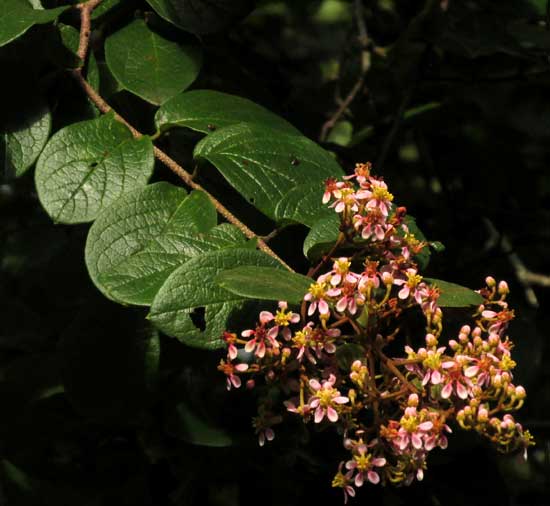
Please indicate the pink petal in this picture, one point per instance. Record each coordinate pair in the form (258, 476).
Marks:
(295, 318)
(247, 333)
(326, 197)
(416, 441)
(241, 367)
(235, 380)
(461, 390)
(332, 415)
(250, 345)
(313, 383)
(266, 316)
(260, 350)
(319, 414)
(232, 352)
(373, 477)
(448, 364)
(314, 403)
(426, 426)
(340, 207)
(341, 305)
(272, 332)
(447, 390)
(335, 280)
(269, 434)
(379, 462)
(323, 307)
(436, 377)
(471, 371)
(426, 378)
(340, 399)
(261, 439)
(420, 474)
(404, 292)
(359, 480)
(312, 308)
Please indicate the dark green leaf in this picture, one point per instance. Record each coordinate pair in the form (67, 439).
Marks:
(149, 65)
(191, 292)
(264, 164)
(17, 16)
(265, 283)
(207, 110)
(145, 235)
(453, 295)
(303, 204)
(322, 236)
(198, 16)
(87, 166)
(25, 138)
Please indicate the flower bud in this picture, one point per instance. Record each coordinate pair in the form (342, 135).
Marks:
(250, 384)
(413, 400)
(482, 415)
(490, 281)
(520, 392)
(431, 340)
(465, 329)
(503, 288)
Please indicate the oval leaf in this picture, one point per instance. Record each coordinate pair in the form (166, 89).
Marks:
(148, 65)
(25, 138)
(265, 283)
(17, 16)
(322, 236)
(198, 16)
(191, 292)
(264, 164)
(145, 235)
(453, 295)
(87, 166)
(303, 204)
(207, 110)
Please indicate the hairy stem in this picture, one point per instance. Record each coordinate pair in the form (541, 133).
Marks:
(86, 9)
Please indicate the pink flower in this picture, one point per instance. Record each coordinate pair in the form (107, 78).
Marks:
(410, 286)
(230, 340)
(229, 370)
(316, 297)
(260, 336)
(455, 381)
(333, 189)
(343, 481)
(326, 399)
(378, 196)
(364, 463)
(283, 318)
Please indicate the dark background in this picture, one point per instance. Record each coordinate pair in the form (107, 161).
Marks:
(453, 109)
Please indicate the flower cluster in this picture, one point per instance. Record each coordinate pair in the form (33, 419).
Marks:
(342, 360)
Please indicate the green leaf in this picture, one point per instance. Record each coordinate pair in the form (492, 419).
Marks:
(453, 295)
(207, 110)
(25, 138)
(88, 165)
(17, 16)
(198, 16)
(264, 164)
(149, 65)
(136, 243)
(303, 204)
(191, 292)
(265, 283)
(322, 236)
(104, 7)
(190, 427)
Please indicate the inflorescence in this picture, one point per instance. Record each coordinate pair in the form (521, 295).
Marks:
(391, 411)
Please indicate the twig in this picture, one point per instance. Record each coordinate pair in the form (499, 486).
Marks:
(526, 278)
(365, 65)
(86, 9)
